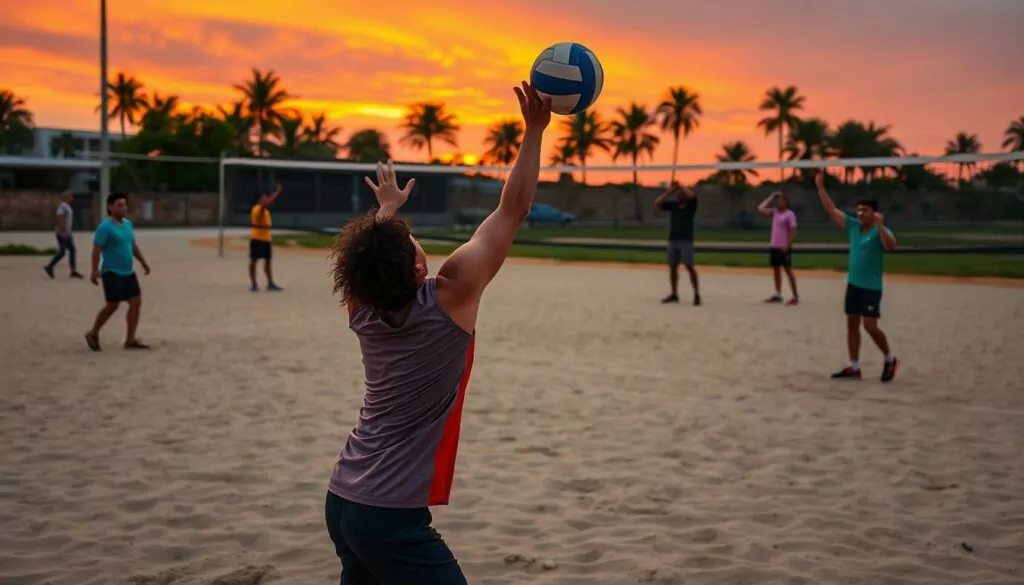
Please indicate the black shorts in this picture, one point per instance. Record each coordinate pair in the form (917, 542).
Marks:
(118, 288)
(388, 545)
(863, 301)
(259, 250)
(778, 257)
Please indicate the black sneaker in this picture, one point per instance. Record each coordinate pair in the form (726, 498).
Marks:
(76, 275)
(847, 372)
(696, 300)
(889, 371)
(48, 270)
(673, 298)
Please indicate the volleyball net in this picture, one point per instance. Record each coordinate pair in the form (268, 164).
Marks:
(980, 192)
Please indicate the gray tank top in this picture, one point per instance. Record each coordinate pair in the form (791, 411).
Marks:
(417, 363)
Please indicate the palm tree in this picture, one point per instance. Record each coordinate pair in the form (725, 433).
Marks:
(808, 140)
(264, 97)
(240, 123)
(159, 113)
(16, 124)
(850, 140)
(63, 145)
(735, 152)
(293, 139)
(783, 103)
(563, 155)
(879, 143)
(679, 112)
(631, 138)
(585, 132)
(322, 137)
(126, 101)
(368, 145)
(427, 121)
(963, 143)
(1014, 135)
(503, 140)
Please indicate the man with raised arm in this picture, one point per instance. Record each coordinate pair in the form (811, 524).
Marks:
(780, 250)
(416, 335)
(260, 241)
(681, 203)
(869, 240)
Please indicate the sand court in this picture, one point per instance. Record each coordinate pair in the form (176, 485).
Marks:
(607, 438)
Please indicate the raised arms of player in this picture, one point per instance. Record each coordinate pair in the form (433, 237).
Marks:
(660, 199)
(763, 208)
(837, 216)
(471, 267)
(267, 199)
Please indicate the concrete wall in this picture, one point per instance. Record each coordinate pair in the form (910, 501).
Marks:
(34, 210)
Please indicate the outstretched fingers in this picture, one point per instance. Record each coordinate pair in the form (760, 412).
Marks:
(369, 183)
(408, 187)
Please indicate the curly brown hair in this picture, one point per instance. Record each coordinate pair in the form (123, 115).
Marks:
(374, 263)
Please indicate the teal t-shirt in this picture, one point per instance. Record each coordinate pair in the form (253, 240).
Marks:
(866, 255)
(117, 243)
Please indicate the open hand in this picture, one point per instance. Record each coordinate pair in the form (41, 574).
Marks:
(536, 110)
(386, 188)
(879, 218)
(145, 268)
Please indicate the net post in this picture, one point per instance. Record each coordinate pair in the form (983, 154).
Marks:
(220, 207)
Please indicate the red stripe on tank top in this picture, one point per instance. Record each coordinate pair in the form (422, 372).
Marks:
(448, 447)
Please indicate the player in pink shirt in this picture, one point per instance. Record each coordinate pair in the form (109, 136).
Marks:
(781, 246)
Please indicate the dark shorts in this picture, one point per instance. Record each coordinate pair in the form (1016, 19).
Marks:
(680, 253)
(863, 301)
(388, 546)
(118, 288)
(259, 250)
(777, 257)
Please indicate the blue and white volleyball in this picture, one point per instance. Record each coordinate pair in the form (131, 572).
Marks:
(570, 75)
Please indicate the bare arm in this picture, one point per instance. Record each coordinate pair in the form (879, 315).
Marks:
(269, 199)
(138, 256)
(763, 207)
(60, 224)
(687, 192)
(837, 216)
(660, 199)
(95, 261)
(469, 269)
(888, 240)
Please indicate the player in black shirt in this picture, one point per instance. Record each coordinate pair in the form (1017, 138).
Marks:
(681, 203)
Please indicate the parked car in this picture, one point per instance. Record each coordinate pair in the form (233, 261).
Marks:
(541, 213)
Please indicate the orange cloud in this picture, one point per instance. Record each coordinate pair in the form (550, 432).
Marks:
(363, 66)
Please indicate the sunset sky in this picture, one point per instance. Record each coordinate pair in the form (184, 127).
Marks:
(930, 68)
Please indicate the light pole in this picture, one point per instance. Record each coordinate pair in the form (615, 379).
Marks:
(104, 134)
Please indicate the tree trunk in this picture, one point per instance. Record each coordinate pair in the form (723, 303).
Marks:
(675, 156)
(782, 171)
(638, 211)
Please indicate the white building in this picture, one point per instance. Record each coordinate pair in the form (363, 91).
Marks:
(86, 142)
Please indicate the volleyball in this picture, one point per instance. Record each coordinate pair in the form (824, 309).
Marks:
(570, 75)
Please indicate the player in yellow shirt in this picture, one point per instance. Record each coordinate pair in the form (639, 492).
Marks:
(259, 239)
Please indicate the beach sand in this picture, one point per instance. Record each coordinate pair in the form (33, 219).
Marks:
(606, 439)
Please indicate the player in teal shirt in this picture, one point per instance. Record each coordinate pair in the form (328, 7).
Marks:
(869, 241)
(114, 244)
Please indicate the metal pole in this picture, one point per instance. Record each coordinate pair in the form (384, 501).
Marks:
(104, 122)
(220, 210)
